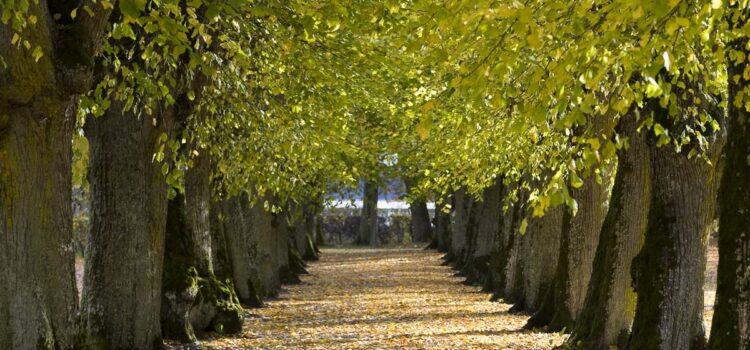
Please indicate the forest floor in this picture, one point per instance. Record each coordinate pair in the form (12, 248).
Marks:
(383, 299)
(391, 298)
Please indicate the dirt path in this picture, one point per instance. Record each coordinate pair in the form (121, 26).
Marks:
(383, 299)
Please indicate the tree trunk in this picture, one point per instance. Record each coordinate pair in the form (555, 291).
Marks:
(580, 235)
(282, 231)
(513, 288)
(499, 256)
(368, 227)
(122, 280)
(180, 277)
(460, 224)
(217, 306)
(610, 301)
(731, 323)
(311, 221)
(668, 272)
(302, 229)
(488, 221)
(198, 205)
(262, 225)
(421, 227)
(442, 228)
(540, 259)
(240, 243)
(38, 298)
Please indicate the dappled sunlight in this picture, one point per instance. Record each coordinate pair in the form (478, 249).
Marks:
(375, 299)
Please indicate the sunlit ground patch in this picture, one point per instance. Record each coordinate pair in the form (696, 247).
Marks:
(383, 299)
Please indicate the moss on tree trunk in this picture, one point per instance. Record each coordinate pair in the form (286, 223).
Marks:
(731, 323)
(562, 304)
(610, 301)
(38, 301)
(668, 272)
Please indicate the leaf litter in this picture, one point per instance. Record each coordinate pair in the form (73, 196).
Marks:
(383, 299)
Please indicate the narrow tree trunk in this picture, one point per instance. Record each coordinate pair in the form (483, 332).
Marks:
(610, 301)
(731, 323)
(668, 272)
(122, 284)
(38, 298)
(368, 227)
(442, 228)
(301, 229)
(460, 224)
(311, 221)
(513, 288)
(501, 249)
(580, 236)
(282, 232)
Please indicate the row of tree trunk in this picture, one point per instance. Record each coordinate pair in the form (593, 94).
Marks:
(627, 269)
(156, 265)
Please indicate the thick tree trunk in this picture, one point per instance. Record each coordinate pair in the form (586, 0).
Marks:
(368, 226)
(421, 227)
(580, 235)
(540, 259)
(217, 307)
(610, 301)
(38, 298)
(262, 225)
(731, 323)
(198, 206)
(241, 243)
(668, 272)
(180, 277)
(488, 221)
(122, 280)
(282, 232)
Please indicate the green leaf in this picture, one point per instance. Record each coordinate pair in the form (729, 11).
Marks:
(132, 8)
(37, 54)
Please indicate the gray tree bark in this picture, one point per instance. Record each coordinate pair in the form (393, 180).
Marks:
(241, 245)
(580, 235)
(610, 301)
(442, 228)
(122, 279)
(730, 328)
(263, 228)
(368, 227)
(460, 225)
(668, 272)
(541, 256)
(488, 221)
(38, 297)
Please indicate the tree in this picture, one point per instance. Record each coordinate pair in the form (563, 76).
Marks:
(42, 72)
